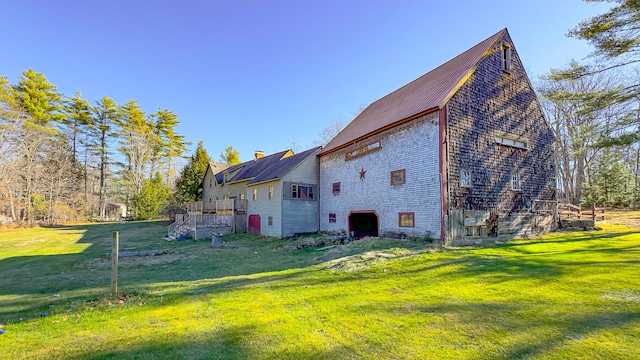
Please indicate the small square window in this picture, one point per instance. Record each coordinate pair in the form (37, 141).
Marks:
(398, 177)
(332, 217)
(270, 191)
(406, 219)
(270, 220)
(515, 181)
(335, 187)
(255, 194)
(465, 178)
(241, 196)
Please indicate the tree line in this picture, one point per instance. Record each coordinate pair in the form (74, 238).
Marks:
(63, 158)
(594, 110)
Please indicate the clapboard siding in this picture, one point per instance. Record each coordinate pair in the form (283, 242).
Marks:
(265, 207)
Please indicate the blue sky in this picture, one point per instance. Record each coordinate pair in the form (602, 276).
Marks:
(254, 74)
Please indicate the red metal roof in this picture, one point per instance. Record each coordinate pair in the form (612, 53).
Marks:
(429, 92)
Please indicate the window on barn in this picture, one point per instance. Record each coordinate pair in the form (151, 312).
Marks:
(465, 178)
(303, 192)
(398, 177)
(406, 219)
(255, 194)
(270, 220)
(332, 217)
(506, 58)
(515, 181)
(335, 188)
(512, 141)
(241, 196)
(270, 191)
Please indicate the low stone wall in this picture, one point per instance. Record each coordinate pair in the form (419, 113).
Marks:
(577, 225)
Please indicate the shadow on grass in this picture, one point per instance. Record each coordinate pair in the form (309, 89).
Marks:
(28, 283)
(225, 343)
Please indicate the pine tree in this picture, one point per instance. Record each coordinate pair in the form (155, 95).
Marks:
(153, 197)
(187, 184)
(230, 156)
(103, 131)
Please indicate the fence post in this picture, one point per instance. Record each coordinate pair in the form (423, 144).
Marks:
(114, 263)
(579, 211)
(593, 212)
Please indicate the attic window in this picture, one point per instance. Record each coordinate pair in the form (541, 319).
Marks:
(513, 141)
(226, 178)
(506, 58)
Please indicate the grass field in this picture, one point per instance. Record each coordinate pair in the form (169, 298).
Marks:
(562, 296)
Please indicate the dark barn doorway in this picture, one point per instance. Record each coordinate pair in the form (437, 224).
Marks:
(363, 224)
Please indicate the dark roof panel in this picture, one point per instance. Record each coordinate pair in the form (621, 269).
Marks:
(283, 166)
(252, 168)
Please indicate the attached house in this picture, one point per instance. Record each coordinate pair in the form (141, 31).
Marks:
(282, 200)
(279, 190)
(463, 151)
(231, 182)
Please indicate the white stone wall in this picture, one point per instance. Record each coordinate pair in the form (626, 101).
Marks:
(412, 146)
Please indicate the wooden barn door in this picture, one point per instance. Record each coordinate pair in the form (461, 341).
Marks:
(254, 224)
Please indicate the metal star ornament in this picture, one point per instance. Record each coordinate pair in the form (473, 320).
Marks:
(362, 173)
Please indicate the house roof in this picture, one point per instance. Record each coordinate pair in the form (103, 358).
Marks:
(431, 91)
(252, 168)
(283, 166)
(220, 175)
(215, 168)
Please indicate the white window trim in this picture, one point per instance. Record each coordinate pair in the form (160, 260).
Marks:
(513, 141)
(516, 182)
(466, 181)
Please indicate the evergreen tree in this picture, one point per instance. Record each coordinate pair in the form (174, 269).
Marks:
(153, 197)
(187, 184)
(610, 180)
(40, 107)
(136, 140)
(103, 131)
(230, 156)
(169, 146)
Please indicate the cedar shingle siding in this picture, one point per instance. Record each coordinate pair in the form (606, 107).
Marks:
(492, 103)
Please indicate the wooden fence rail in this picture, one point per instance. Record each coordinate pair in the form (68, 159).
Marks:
(570, 211)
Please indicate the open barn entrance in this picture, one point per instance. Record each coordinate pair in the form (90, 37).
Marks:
(363, 224)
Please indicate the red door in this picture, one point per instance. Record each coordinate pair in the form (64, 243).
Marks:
(254, 224)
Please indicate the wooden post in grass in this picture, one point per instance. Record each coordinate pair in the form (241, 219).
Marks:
(114, 263)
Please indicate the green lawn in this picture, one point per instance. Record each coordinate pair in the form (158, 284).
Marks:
(564, 296)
